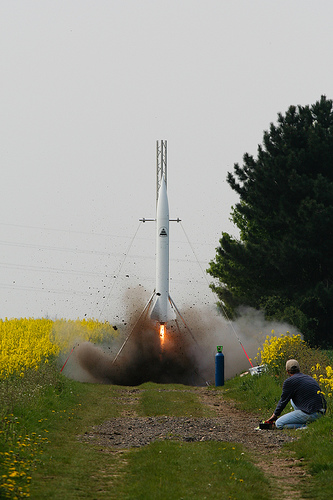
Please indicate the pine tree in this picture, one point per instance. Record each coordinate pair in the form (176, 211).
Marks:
(283, 261)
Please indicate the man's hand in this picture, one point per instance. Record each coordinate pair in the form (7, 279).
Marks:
(271, 419)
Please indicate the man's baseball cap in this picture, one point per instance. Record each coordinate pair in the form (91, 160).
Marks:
(292, 365)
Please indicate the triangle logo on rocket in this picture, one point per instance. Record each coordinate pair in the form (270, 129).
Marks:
(163, 232)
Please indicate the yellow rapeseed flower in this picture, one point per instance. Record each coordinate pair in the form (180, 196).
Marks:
(27, 343)
(276, 349)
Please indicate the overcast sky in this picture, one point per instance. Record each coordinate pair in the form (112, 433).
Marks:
(86, 89)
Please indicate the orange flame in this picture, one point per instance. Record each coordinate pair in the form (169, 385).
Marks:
(162, 332)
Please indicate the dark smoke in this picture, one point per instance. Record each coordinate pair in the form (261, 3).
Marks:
(186, 357)
(144, 358)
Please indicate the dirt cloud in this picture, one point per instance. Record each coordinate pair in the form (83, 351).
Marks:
(186, 355)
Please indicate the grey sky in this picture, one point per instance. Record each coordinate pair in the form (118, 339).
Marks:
(86, 89)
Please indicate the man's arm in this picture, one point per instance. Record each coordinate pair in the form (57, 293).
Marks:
(285, 397)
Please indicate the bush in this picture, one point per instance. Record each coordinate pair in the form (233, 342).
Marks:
(277, 350)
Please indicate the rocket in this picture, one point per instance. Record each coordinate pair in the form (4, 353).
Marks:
(161, 310)
(160, 306)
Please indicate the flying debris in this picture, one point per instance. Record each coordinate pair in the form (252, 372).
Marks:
(159, 346)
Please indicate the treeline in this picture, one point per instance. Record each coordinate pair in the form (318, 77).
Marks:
(283, 261)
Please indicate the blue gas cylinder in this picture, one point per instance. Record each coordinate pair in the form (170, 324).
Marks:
(219, 366)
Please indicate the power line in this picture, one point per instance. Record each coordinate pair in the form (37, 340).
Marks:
(87, 233)
(23, 267)
(71, 231)
(222, 307)
(57, 249)
(43, 290)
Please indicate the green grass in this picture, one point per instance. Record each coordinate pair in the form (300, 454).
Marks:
(191, 470)
(67, 467)
(70, 468)
(316, 449)
(43, 415)
(173, 400)
(161, 470)
(314, 445)
(38, 438)
(258, 394)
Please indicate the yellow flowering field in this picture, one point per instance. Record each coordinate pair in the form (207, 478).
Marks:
(277, 350)
(324, 376)
(66, 332)
(27, 343)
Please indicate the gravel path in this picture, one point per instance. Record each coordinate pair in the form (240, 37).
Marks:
(229, 424)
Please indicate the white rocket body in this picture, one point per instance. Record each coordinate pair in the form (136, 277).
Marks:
(162, 310)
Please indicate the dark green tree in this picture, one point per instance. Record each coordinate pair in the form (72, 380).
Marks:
(283, 260)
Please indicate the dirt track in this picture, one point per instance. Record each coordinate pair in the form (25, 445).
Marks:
(228, 424)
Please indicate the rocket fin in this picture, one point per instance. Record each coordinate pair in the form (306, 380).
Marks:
(162, 312)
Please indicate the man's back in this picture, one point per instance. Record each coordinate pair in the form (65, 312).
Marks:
(304, 391)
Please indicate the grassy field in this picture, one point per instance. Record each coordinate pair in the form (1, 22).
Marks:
(43, 414)
(42, 456)
(55, 464)
(315, 444)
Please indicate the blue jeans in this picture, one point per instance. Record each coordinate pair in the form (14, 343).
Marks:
(296, 419)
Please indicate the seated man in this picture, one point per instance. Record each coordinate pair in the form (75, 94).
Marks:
(305, 396)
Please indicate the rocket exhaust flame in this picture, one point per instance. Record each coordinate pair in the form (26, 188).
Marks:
(162, 331)
(162, 335)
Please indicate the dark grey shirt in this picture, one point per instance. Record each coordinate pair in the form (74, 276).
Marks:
(304, 391)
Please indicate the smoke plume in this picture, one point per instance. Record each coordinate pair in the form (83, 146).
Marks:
(186, 355)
